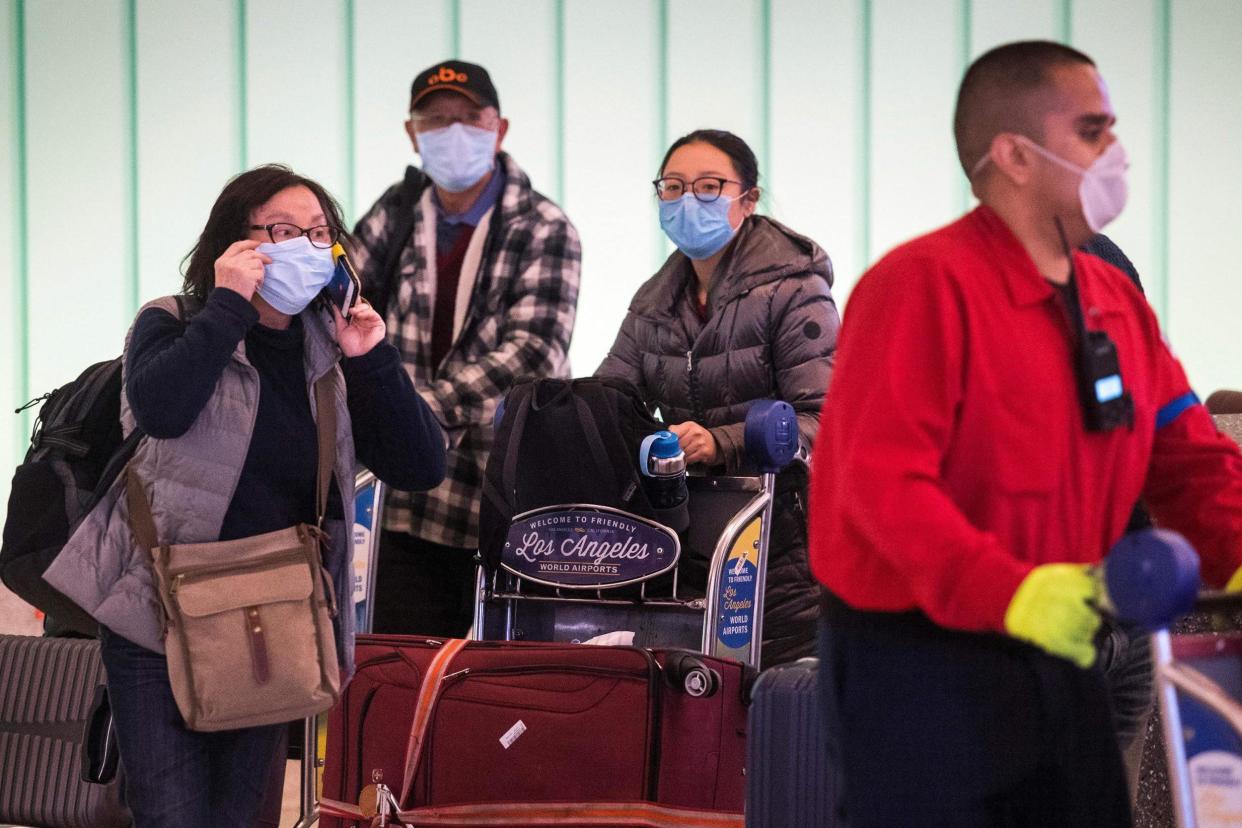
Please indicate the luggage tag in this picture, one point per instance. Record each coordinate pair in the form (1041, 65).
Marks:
(377, 801)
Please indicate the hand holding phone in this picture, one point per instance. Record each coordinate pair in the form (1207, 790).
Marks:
(361, 332)
(345, 288)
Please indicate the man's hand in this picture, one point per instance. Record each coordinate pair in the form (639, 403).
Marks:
(697, 442)
(240, 267)
(1051, 610)
(361, 332)
(1235, 582)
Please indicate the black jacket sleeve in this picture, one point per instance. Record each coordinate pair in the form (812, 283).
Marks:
(172, 367)
(395, 434)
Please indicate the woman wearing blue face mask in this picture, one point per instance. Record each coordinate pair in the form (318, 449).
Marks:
(220, 379)
(742, 311)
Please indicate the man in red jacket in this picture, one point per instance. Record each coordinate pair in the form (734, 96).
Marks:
(984, 441)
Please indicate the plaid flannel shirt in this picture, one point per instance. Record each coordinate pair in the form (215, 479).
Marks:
(518, 325)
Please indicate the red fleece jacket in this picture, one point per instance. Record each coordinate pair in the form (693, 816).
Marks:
(952, 456)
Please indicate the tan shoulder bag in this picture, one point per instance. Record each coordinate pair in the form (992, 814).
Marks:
(248, 622)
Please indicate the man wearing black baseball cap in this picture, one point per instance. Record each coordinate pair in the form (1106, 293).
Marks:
(476, 274)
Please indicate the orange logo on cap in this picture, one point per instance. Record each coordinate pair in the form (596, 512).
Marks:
(447, 75)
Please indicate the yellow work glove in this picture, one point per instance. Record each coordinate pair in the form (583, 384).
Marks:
(1235, 583)
(1050, 609)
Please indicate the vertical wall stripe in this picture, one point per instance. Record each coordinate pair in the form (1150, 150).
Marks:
(662, 137)
(21, 314)
(131, 48)
(455, 27)
(558, 113)
(1162, 60)
(965, 37)
(243, 87)
(351, 109)
(864, 137)
(1066, 21)
(765, 91)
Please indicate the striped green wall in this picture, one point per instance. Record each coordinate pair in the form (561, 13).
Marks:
(122, 119)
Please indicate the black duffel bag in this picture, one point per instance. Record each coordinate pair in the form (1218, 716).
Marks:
(564, 442)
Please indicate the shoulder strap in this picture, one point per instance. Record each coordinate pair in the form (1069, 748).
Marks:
(325, 422)
(389, 272)
(141, 523)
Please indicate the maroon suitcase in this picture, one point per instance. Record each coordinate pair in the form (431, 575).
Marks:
(531, 734)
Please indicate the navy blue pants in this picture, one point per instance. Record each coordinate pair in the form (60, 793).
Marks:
(933, 727)
(175, 776)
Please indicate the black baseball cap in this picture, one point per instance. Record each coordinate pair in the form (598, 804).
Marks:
(467, 79)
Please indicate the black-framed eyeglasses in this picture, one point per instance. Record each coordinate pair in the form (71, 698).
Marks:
(321, 235)
(707, 189)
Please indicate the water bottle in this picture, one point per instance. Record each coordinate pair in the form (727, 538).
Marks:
(663, 466)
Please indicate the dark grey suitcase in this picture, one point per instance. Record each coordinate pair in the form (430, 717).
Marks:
(47, 689)
(789, 778)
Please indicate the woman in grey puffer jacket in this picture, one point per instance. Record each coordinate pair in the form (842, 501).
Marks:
(742, 311)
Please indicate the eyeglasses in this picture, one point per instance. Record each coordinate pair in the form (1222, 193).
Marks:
(322, 236)
(706, 189)
(427, 121)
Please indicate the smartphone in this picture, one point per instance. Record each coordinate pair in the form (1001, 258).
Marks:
(345, 287)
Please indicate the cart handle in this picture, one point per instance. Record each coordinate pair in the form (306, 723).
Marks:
(1203, 689)
(1218, 601)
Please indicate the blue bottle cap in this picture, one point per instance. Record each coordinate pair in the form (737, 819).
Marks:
(665, 445)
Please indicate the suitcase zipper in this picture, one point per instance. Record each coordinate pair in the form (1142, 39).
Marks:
(528, 670)
(362, 718)
(655, 684)
(364, 708)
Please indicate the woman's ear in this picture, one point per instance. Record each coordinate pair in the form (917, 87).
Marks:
(750, 201)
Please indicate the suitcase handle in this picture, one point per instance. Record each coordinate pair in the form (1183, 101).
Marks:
(100, 756)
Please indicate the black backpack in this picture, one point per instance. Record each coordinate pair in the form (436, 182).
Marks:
(563, 442)
(76, 451)
(384, 290)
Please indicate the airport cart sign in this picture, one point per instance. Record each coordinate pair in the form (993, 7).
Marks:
(735, 621)
(588, 547)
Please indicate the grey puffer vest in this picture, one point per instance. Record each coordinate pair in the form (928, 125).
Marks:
(190, 481)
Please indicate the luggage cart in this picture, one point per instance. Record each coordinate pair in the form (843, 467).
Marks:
(1152, 578)
(1198, 687)
(576, 571)
(369, 492)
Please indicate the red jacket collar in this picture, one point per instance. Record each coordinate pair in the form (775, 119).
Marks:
(1023, 281)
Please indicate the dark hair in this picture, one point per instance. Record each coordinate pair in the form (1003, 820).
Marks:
(1000, 93)
(230, 220)
(743, 158)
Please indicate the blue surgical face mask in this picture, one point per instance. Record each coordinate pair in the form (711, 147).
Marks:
(699, 230)
(298, 271)
(457, 156)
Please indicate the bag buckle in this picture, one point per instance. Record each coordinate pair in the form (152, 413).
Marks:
(377, 803)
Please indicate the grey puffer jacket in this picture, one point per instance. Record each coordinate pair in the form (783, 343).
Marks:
(190, 481)
(771, 334)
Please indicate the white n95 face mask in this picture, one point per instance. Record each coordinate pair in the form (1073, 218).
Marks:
(1103, 189)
